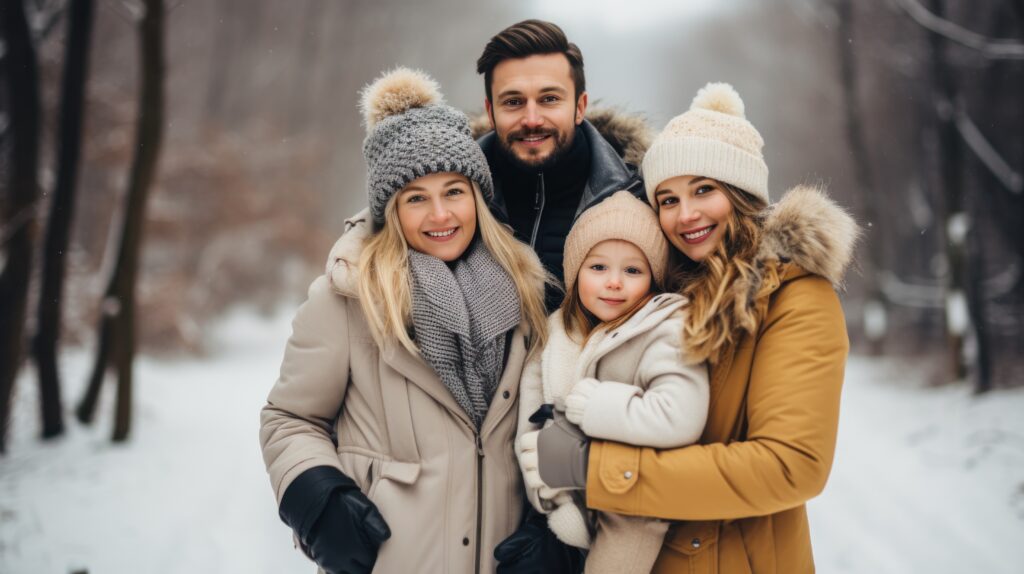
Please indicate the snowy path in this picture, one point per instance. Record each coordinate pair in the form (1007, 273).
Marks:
(924, 481)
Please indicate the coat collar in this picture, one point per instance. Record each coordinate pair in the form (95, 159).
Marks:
(617, 142)
(419, 373)
(811, 233)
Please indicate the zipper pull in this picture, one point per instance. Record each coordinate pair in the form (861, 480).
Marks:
(539, 191)
(479, 445)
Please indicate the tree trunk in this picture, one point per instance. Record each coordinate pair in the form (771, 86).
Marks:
(875, 305)
(956, 224)
(58, 230)
(117, 328)
(19, 217)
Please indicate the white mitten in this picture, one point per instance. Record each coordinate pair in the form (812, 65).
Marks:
(568, 523)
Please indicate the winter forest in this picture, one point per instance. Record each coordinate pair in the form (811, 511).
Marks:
(173, 174)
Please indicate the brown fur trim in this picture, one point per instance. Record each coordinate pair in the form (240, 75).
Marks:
(812, 231)
(479, 124)
(629, 134)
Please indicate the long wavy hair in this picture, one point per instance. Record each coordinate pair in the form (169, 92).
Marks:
(385, 281)
(726, 290)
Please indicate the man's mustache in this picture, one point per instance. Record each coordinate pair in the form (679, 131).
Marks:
(525, 133)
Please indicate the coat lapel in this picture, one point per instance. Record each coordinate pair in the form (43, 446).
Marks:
(419, 373)
(513, 372)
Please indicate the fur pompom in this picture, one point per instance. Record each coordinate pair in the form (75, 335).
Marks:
(719, 97)
(395, 92)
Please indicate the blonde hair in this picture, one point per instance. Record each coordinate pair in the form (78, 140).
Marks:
(384, 279)
(726, 291)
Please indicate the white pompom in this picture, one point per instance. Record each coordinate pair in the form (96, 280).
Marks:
(719, 97)
(395, 92)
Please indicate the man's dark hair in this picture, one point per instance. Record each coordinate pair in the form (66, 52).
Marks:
(528, 38)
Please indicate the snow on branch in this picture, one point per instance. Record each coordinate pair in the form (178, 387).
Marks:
(992, 48)
(932, 294)
(908, 294)
(988, 155)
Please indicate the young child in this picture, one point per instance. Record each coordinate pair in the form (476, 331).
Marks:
(613, 364)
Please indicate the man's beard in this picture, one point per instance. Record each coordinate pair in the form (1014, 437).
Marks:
(563, 142)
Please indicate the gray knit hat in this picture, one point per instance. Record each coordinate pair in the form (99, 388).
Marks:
(412, 133)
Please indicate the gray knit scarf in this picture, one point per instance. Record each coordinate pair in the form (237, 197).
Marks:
(460, 315)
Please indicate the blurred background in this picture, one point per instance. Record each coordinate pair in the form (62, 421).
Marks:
(171, 171)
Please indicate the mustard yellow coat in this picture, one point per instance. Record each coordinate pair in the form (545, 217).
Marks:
(739, 494)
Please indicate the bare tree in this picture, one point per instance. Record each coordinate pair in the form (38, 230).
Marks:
(949, 162)
(117, 324)
(875, 316)
(44, 348)
(17, 234)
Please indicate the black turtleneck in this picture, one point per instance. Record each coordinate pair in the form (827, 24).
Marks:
(541, 205)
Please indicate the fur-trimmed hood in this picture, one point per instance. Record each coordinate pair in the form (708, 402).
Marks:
(810, 230)
(343, 261)
(628, 133)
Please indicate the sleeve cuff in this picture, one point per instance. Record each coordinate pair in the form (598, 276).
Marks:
(305, 498)
(579, 397)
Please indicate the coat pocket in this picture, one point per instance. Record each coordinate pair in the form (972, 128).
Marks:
(360, 466)
(690, 547)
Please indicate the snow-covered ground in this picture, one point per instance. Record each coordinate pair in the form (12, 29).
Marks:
(925, 480)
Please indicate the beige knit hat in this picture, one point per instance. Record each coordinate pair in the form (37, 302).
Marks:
(621, 216)
(712, 139)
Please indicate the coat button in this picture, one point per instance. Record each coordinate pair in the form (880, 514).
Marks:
(628, 474)
(695, 543)
(505, 394)
(465, 541)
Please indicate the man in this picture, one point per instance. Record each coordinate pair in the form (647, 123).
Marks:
(548, 162)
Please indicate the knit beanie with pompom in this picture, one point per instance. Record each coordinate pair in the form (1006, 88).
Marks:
(712, 139)
(622, 216)
(412, 133)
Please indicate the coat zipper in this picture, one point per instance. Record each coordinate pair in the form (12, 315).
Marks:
(538, 206)
(479, 496)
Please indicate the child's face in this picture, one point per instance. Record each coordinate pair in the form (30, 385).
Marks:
(613, 277)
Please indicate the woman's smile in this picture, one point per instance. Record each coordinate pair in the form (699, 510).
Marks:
(698, 235)
(442, 235)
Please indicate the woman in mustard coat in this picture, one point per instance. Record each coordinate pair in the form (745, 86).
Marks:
(760, 281)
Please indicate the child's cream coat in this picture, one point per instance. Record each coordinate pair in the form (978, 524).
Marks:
(629, 385)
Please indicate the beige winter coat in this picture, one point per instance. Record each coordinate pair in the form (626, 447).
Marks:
(449, 494)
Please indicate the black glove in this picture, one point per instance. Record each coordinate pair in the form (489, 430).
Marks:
(534, 549)
(338, 527)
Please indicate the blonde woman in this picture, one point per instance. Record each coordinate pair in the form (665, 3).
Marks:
(762, 309)
(388, 435)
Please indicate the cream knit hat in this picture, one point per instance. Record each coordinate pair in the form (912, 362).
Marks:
(712, 139)
(621, 216)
